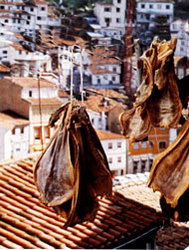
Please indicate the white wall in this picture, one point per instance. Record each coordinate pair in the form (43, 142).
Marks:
(116, 155)
(3, 132)
(44, 93)
(98, 120)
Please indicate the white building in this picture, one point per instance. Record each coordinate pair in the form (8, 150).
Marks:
(14, 135)
(98, 119)
(180, 29)
(111, 17)
(19, 16)
(115, 147)
(105, 69)
(21, 95)
(147, 10)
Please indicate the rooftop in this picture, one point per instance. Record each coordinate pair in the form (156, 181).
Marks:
(9, 119)
(99, 104)
(44, 101)
(105, 135)
(26, 223)
(4, 68)
(28, 82)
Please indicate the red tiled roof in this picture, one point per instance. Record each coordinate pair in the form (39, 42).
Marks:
(9, 119)
(26, 223)
(44, 101)
(105, 135)
(29, 82)
(174, 236)
(95, 103)
(4, 68)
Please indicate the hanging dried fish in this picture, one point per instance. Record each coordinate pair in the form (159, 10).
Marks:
(136, 123)
(158, 93)
(170, 176)
(73, 170)
(164, 106)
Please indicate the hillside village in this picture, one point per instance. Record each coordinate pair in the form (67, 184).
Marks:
(43, 55)
(54, 52)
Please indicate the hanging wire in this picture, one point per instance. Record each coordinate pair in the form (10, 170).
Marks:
(71, 80)
(81, 75)
(40, 111)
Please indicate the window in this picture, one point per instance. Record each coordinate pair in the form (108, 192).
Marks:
(117, 9)
(22, 7)
(47, 132)
(162, 144)
(22, 130)
(27, 22)
(119, 159)
(28, 17)
(30, 93)
(6, 21)
(107, 9)
(167, 7)
(31, 9)
(159, 6)
(143, 6)
(38, 18)
(119, 144)
(135, 167)
(107, 21)
(144, 145)
(2, 7)
(113, 78)
(143, 165)
(114, 69)
(37, 133)
(42, 8)
(135, 145)
(118, 20)
(118, 1)
(110, 160)
(4, 52)
(110, 146)
(13, 131)
(151, 144)
(151, 6)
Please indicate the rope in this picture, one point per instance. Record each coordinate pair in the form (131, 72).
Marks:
(71, 78)
(81, 77)
(40, 112)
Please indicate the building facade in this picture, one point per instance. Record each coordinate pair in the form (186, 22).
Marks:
(14, 135)
(147, 12)
(35, 100)
(111, 17)
(141, 154)
(115, 147)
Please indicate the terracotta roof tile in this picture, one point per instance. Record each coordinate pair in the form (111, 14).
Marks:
(26, 223)
(173, 236)
(98, 104)
(4, 68)
(44, 101)
(9, 120)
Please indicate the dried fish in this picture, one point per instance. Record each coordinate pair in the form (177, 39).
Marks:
(158, 93)
(73, 170)
(170, 175)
